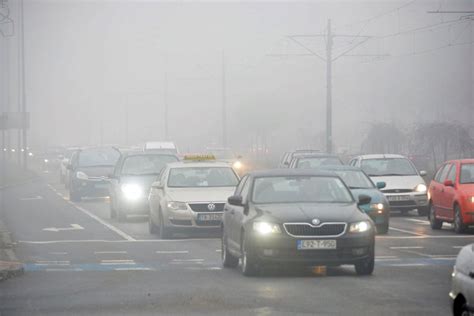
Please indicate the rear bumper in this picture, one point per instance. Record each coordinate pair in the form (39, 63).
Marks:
(91, 188)
(283, 250)
(412, 201)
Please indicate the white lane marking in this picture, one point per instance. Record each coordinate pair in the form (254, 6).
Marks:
(423, 222)
(458, 247)
(443, 258)
(101, 221)
(117, 262)
(203, 269)
(109, 252)
(386, 257)
(33, 198)
(57, 253)
(64, 270)
(408, 247)
(109, 226)
(188, 260)
(133, 269)
(405, 231)
(172, 252)
(408, 264)
(112, 241)
(53, 263)
(427, 237)
(72, 227)
(218, 250)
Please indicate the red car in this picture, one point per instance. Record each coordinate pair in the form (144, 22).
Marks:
(451, 195)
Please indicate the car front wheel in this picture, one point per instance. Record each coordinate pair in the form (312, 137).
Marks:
(366, 266)
(249, 263)
(459, 226)
(165, 232)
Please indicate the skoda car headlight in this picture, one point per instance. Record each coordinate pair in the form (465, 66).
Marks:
(132, 191)
(359, 227)
(81, 175)
(265, 228)
(177, 206)
(421, 188)
(377, 206)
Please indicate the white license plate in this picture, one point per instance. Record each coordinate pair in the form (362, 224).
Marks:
(209, 217)
(398, 197)
(316, 244)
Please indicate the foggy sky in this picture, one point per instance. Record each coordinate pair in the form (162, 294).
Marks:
(95, 71)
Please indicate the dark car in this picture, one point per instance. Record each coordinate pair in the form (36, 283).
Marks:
(359, 183)
(300, 217)
(131, 182)
(89, 170)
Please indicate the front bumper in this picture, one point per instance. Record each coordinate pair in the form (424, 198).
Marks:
(188, 219)
(283, 249)
(407, 201)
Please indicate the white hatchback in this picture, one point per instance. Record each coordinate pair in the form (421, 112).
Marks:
(462, 284)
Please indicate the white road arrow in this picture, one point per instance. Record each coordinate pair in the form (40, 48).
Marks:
(73, 227)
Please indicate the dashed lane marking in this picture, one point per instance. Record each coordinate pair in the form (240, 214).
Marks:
(405, 231)
(57, 253)
(188, 260)
(133, 269)
(118, 262)
(172, 252)
(53, 263)
(420, 221)
(408, 264)
(407, 247)
(109, 252)
(64, 270)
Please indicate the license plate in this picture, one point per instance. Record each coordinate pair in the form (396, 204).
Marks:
(209, 217)
(316, 244)
(398, 197)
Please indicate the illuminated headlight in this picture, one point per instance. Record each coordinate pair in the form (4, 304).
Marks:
(80, 175)
(46, 161)
(132, 191)
(471, 199)
(421, 188)
(177, 206)
(265, 228)
(359, 227)
(30, 154)
(13, 150)
(377, 206)
(237, 165)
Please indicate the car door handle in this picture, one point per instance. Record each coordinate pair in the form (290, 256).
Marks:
(471, 275)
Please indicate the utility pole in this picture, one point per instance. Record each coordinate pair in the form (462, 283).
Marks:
(224, 106)
(165, 114)
(24, 140)
(329, 59)
(329, 89)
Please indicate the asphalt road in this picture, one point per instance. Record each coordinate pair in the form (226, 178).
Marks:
(79, 261)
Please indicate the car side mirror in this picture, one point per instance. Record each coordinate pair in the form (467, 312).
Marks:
(364, 199)
(235, 200)
(448, 183)
(157, 185)
(423, 173)
(381, 185)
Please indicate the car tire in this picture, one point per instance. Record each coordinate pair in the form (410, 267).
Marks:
(459, 226)
(228, 260)
(152, 226)
(423, 211)
(164, 231)
(366, 266)
(249, 264)
(74, 196)
(435, 223)
(382, 229)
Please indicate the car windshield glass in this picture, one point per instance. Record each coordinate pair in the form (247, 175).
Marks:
(315, 162)
(467, 173)
(300, 189)
(146, 164)
(98, 157)
(355, 179)
(388, 167)
(197, 177)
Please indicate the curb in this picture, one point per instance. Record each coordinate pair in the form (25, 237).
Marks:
(9, 265)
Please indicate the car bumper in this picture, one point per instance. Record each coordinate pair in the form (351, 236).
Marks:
(191, 220)
(283, 249)
(406, 201)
